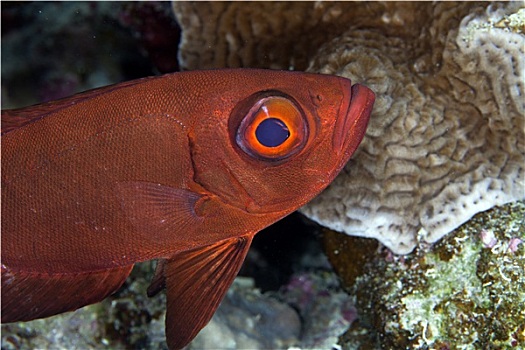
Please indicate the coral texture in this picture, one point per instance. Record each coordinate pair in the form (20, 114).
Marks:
(446, 138)
(256, 34)
(463, 294)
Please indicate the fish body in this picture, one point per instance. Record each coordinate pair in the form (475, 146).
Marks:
(184, 168)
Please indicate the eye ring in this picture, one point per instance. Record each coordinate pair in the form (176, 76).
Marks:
(274, 128)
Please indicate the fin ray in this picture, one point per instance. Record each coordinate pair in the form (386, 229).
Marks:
(29, 295)
(159, 210)
(196, 282)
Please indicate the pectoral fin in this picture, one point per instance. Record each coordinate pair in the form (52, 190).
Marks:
(196, 282)
(157, 211)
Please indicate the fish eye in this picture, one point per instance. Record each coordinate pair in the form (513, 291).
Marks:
(273, 129)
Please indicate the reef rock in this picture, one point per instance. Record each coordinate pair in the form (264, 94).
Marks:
(465, 293)
(446, 139)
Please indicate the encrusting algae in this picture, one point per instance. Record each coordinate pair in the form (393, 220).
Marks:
(466, 292)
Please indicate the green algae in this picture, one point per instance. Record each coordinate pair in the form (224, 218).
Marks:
(461, 293)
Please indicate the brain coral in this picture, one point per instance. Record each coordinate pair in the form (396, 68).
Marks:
(446, 138)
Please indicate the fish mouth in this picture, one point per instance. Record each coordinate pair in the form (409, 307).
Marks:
(352, 118)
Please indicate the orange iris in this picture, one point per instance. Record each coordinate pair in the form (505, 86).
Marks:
(274, 128)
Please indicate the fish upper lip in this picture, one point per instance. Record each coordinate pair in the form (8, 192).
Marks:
(353, 117)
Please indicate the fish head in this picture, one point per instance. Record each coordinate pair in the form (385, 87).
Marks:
(273, 140)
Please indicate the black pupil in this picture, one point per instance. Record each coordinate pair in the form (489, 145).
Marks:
(272, 132)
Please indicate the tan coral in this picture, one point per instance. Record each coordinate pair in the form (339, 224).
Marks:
(279, 35)
(441, 146)
(446, 139)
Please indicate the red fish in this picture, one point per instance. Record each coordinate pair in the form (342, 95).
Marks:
(184, 168)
